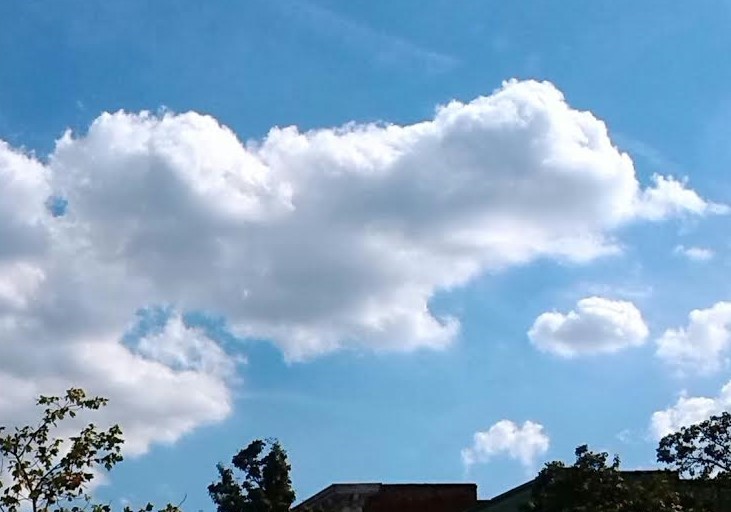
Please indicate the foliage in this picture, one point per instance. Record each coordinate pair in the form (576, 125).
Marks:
(45, 471)
(265, 485)
(41, 472)
(596, 484)
(700, 451)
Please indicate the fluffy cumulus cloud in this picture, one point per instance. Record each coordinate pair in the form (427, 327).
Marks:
(59, 327)
(524, 443)
(701, 346)
(313, 240)
(689, 410)
(597, 325)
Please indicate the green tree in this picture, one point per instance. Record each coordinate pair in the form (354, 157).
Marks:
(594, 483)
(42, 472)
(701, 451)
(265, 485)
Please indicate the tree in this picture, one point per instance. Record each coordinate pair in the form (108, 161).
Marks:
(265, 485)
(596, 484)
(701, 451)
(41, 472)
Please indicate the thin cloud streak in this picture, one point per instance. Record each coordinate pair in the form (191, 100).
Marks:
(382, 49)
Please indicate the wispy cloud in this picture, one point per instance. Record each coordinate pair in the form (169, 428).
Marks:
(653, 157)
(380, 48)
(695, 253)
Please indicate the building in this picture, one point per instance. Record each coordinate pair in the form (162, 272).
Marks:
(509, 501)
(714, 495)
(378, 497)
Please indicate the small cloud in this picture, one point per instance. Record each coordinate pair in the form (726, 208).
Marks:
(670, 197)
(695, 253)
(703, 345)
(626, 436)
(521, 443)
(597, 325)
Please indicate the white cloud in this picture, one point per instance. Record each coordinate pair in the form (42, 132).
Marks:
(703, 344)
(523, 443)
(689, 410)
(315, 241)
(695, 253)
(310, 239)
(181, 347)
(670, 197)
(597, 325)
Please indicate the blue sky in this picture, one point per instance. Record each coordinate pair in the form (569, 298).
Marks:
(393, 303)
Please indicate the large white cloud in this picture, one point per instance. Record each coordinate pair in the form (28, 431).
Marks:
(524, 443)
(689, 410)
(315, 241)
(597, 325)
(701, 346)
(59, 326)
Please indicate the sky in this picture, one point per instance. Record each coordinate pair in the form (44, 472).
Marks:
(416, 241)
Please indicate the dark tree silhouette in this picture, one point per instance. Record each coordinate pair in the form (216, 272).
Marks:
(700, 451)
(265, 485)
(594, 483)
